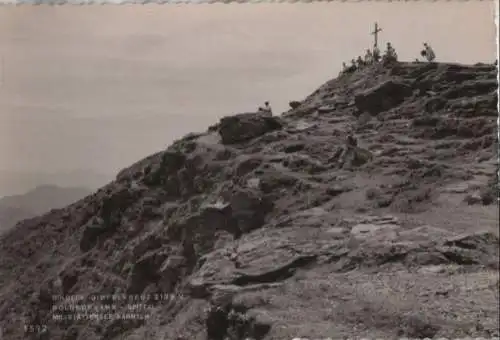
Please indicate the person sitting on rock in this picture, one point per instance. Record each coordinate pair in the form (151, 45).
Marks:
(428, 53)
(376, 54)
(368, 57)
(351, 141)
(266, 108)
(351, 68)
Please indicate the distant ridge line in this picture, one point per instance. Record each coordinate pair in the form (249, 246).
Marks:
(194, 2)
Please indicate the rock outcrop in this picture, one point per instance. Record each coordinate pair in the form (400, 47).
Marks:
(294, 104)
(383, 97)
(246, 126)
(268, 227)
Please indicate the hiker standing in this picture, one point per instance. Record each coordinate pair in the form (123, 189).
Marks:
(360, 63)
(353, 65)
(368, 57)
(429, 53)
(390, 52)
(376, 54)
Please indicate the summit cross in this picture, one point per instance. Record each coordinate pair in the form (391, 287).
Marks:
(375, 33)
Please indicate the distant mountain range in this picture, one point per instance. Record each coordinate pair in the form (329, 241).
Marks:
(18, 182)
(36, 202)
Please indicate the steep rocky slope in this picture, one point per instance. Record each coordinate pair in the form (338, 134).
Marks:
(274, 227)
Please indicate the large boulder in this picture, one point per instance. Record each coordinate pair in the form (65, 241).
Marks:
(382, 97)
(170, 162)
(246, 126)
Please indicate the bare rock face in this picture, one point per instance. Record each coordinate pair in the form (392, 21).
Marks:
(383, 96)
(106, 223)
(271, 228)
(248, 209)
(171, 162)
(246, 126)
(145, 271)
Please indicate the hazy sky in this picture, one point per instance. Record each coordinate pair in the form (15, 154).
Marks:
(101, 87)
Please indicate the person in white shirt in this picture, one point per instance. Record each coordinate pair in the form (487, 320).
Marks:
(266, 108)
(429, 53)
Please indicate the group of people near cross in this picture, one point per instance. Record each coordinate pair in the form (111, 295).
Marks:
(373, 56)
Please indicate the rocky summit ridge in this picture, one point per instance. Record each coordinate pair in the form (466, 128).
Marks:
(273, 227)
